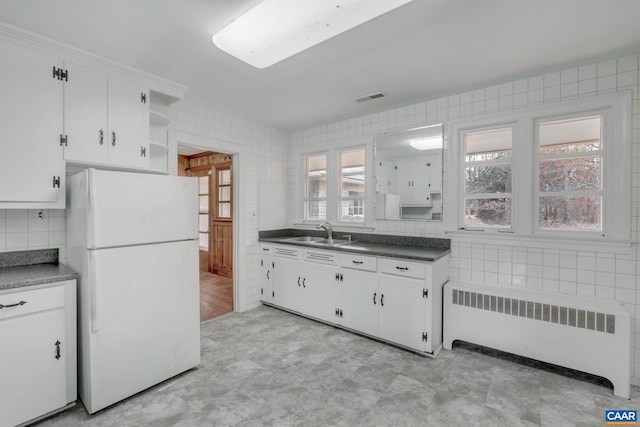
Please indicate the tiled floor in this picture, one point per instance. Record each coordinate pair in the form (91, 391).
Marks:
(216, 295)
(265, 367)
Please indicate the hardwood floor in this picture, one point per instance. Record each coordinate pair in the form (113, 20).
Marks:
(216, 295)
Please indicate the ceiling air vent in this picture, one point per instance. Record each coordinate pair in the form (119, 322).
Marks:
(369, 97)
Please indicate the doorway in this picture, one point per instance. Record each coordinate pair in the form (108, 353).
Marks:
(213, 170)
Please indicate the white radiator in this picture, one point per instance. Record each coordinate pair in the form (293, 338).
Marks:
(580, 333)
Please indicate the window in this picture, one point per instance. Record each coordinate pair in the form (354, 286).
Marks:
(557, 171)
(203, 212)
(223, 182)
(351, 186)
(487, 177)
(315, 187)
(570, 174)
(335, 185)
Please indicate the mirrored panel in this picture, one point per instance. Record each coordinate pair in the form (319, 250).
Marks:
(408, 174)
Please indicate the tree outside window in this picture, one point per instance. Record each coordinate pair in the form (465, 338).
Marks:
(487, 177)
(570, 174)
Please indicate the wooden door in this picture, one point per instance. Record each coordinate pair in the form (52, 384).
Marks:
(222, 248)
(221, 215)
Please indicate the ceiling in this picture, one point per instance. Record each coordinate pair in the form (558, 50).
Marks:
(420, 51)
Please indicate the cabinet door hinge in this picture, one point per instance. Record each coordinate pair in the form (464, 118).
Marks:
(143, 151)
(425, 336)
(63, 140)
(261, 263)
(143, 97)
(425, 293)
(60, 74)
(261, 291)
(56, 181)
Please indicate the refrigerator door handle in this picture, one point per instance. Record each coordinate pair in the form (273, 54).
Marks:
(91, 231)
(93, 291)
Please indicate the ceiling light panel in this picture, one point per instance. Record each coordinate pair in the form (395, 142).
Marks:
(274, 30)
(431, 143)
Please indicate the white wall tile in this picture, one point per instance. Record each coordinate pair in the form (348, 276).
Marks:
(603, 275)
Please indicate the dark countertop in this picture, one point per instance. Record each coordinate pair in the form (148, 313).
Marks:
(414, 248)
(29, 268)
(37, 274)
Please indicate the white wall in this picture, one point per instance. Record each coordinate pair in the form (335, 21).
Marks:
(264, 156)
(591, 272)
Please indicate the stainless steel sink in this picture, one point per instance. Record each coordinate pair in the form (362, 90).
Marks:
(330, 242)
(305, 239)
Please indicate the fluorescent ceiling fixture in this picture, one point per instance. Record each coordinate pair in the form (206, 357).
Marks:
(432, 143)
(276, 29)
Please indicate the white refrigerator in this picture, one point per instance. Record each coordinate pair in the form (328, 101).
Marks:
(133, 238)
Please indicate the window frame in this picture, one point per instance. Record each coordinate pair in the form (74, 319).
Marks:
(616, 190)
(305, 177)
(339, 175)
(601, 153)
(495, 126)
(332, 152)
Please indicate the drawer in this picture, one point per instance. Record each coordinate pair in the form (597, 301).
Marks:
(31, 301)
(400, 267)
(359, 262)
(323, 257)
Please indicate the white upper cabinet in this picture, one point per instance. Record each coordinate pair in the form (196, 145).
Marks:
(106, 119)
(87, 111)
(31, 162)
(417, 179)
(85, 115)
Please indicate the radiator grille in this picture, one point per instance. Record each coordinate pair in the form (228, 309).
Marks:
(570, 316)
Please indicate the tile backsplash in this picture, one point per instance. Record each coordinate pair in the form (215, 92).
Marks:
(24, 229)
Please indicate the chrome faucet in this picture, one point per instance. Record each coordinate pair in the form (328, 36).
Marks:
(326, 227)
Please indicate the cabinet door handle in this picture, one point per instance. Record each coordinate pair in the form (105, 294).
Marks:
(57, 344)
(12, 305)
(298, 280)
(267, 274)
(381, 300)
(304, 280)
(101, 137)
(374, 298)
(113, 138)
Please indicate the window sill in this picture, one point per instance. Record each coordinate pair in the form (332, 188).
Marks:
(589, 244)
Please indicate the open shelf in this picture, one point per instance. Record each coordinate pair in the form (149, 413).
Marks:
(158, 147)
(158, 119)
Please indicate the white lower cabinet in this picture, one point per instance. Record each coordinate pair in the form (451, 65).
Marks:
(393, 299)
(266, 272)
(403, 312)
(319, 292)
(38, 352)
(286, 279)
(359, 301)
